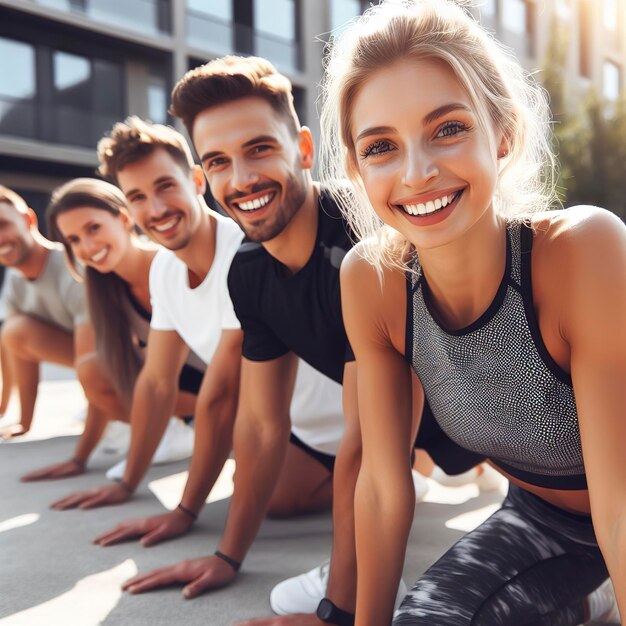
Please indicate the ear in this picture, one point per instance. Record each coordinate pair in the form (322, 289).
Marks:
(307, 148)
(199, 180)
(31, 218)
(505, 145)
(127, 221)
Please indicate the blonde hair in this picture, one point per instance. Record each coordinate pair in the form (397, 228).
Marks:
(502, 94)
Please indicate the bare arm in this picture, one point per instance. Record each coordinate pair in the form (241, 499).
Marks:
(153, 402)
(215, 414)
(260, 442)
(384, 484)
(594, 325)
(215, 417)
(85, 350)
(261, 435)
(342, 575)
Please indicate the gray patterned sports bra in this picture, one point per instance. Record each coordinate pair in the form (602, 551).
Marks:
(492, 386)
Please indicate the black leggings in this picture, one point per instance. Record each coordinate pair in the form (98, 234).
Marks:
(529, 564)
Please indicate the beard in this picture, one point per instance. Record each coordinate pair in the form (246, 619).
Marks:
(295, 190)
(23, 252)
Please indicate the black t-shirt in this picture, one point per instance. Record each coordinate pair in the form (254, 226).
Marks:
(282, 312)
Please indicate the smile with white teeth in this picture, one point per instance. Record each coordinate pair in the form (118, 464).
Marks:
(166, 225)
(257, 203)
(6, 249)
(426, 208)
(96, 258)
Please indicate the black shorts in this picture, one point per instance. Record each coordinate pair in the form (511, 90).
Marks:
(327, 460)
(190, 379)
(449, 456)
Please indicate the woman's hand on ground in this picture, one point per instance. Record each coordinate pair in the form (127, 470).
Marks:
(114, 493)
(152, 530)
(12, 430)
(197, 576)
(64, 469)
(297, 619)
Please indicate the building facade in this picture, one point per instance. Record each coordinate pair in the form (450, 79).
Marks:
(69, 69)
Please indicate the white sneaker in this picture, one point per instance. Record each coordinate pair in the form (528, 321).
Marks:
(176, 445)
(114, 441)
(603, 605)
(420, 485)
(302, 594)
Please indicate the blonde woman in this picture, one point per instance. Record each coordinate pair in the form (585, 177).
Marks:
(512, 316)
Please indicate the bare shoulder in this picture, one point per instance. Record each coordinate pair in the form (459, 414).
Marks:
(357, 267)
(579, 265)
(373, 297)
(579, 231)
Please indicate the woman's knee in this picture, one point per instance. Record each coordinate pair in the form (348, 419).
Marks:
(93, 379)
(17, 332)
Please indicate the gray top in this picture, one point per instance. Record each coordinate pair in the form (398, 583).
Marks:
(493, 387)
(54, 296)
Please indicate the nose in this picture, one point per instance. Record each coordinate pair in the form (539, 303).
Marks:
(86, 248)
(155, 207)
(243, 176)
(420, 167)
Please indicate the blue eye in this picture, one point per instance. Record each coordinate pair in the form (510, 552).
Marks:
(377, 148)
(450, 129)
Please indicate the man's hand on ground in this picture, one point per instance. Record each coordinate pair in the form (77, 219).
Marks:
(58, 470)
(114, 493)
(297, 619)
(197, 576)
(12, 430)
(152, 530)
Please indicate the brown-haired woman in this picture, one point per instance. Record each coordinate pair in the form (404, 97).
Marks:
(89, 217)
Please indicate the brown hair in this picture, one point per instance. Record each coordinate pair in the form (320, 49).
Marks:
(232, 78)
(107, 294)
(14, 199)
(134, 139)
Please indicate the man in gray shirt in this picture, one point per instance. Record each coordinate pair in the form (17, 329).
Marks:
(46, 322)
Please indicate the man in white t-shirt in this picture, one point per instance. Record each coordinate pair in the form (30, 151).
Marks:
(152, 164)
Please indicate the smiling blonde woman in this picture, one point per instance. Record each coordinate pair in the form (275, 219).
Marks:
(512, 316)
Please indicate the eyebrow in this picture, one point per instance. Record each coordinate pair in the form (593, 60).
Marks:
(247, 144)
(158, 181)
(428, 119)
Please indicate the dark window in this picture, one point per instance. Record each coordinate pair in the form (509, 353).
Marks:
(57, 96)
(210, 25)
(87, 98)
(275, 32)
(267, 28)
(18, 88)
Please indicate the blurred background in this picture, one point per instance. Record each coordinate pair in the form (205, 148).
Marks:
(69, 69)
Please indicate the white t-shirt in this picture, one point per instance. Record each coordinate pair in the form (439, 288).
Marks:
(198, 315)
(54, 296)
(316, 410)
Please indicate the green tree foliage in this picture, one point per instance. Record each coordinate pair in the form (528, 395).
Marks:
(589, 139)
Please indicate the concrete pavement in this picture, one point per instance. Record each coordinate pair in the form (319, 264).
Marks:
(51, 574)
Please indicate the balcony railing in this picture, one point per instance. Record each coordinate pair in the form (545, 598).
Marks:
(149, 17)
(61, 124)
